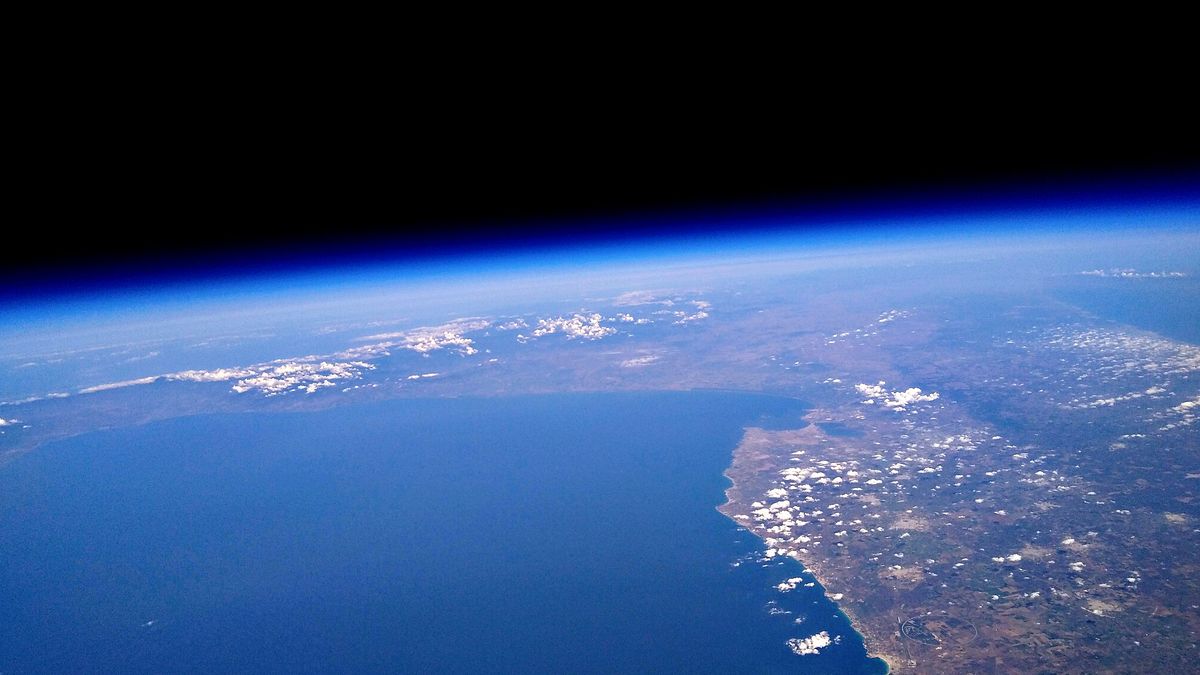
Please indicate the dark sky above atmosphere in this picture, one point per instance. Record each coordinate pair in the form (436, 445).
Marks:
(200, 202)
(138, 163)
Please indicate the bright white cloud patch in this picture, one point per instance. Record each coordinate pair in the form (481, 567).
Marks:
(422, 340)
(895, 399)
(586, 326)
(872, 390)
(900, 399)
(789, 584)
(218, 375)
(300, 376)
(306, 374)
(810, 645)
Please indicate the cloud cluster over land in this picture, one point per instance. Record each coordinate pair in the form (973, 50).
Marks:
(1183, 415)
(300, 376)
(585, 326)
(305, 374)
(217, 375)
(895, 399)
(423, 340)
(684, 317)
(1120, 353)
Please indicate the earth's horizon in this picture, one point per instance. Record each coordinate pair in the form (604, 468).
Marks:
(996, 468)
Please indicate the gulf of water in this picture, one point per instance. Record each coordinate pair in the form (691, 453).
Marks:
(564, 533)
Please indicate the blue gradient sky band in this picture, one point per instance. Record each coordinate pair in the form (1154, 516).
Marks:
(908, 219)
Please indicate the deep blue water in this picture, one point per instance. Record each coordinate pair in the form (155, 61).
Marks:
(565, 533)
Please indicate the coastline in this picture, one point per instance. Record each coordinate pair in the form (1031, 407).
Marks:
(871, 642)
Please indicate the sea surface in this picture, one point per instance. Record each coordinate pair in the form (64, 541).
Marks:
(560, 533)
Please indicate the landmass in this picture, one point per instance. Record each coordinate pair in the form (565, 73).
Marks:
(1059, 533)
(986, 481)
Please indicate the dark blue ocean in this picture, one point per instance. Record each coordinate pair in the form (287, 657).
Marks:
(564, 533)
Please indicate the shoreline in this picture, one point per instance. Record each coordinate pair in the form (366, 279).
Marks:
(890, 661)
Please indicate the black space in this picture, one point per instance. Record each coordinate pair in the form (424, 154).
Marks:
(185, 201)
(167, 156)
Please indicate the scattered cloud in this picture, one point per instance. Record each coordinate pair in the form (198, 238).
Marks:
(684, 317)
(1130, 273)
(1182, 415)
(871, 329)
(1187, 405)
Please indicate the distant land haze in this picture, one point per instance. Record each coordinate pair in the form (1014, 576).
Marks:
(954, 451)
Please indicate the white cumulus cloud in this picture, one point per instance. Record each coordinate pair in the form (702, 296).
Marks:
(423, 340)
(586, 326)
(810, 645)
(895, 399)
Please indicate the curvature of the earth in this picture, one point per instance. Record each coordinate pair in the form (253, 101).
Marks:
(995, 476)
